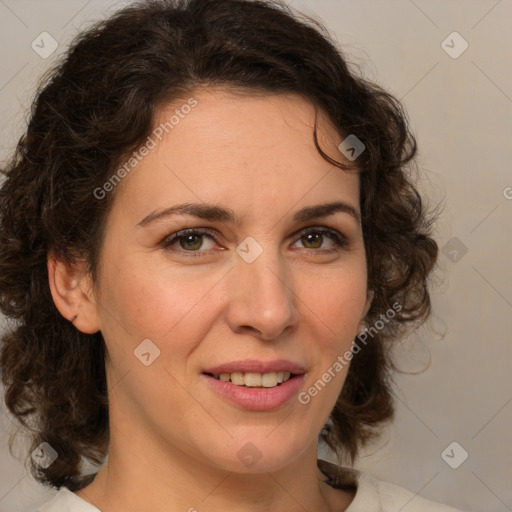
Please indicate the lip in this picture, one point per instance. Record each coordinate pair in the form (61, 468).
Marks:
(256, 366)
(256, 399)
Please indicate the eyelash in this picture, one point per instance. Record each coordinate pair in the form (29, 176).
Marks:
(339, 240)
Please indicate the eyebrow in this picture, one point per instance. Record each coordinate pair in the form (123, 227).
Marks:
(221, 214)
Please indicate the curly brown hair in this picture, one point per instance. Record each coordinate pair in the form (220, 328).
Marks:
(96, 106)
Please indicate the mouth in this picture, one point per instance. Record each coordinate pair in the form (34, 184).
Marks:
(254, 379)
(254, 385)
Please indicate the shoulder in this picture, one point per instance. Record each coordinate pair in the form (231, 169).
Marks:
(373, 495)
(67, 501)
(394, 498)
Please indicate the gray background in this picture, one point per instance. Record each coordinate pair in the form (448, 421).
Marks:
(461, 111)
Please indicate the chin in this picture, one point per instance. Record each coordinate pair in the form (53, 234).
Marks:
(262, 454)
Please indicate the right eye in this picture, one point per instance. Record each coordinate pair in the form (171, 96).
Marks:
(189, 240)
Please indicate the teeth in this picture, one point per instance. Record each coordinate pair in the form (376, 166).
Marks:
(237, 378)
(255, 380)
(268, 380)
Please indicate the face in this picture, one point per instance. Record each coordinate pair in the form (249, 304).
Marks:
(261, 282)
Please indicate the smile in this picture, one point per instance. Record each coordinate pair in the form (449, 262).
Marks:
(254, 380)
(253, 395)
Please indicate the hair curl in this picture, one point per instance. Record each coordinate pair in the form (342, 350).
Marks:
(96, 106)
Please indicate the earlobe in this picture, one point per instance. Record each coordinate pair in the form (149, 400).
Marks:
(71, 289)
(369, 299)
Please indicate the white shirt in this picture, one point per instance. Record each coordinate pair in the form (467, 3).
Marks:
(372, 495)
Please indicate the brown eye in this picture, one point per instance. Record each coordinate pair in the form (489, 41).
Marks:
(192, 240)
(313, 238)
(189, 240)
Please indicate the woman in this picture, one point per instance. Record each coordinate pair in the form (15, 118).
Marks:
(210, 240)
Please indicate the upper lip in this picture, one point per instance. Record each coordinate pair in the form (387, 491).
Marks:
(255, 366)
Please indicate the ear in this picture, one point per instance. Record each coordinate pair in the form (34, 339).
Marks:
(72, 292)
(369, 299)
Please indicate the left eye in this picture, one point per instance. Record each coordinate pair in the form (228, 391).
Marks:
(313, 235)
(191, 240)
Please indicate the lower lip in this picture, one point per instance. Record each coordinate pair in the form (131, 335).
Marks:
(257, 399)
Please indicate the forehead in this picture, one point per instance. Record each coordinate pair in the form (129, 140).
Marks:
(246, 150)
(233, 116)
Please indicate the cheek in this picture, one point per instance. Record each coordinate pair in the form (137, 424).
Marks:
(336, 309)
(338, 299)
(143, 301)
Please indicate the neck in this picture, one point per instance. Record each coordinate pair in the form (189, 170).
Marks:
(142, 476)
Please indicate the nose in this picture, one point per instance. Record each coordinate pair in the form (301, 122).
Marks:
(262, 301)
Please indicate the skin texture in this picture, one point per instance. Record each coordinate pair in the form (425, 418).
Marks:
(173, 441)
